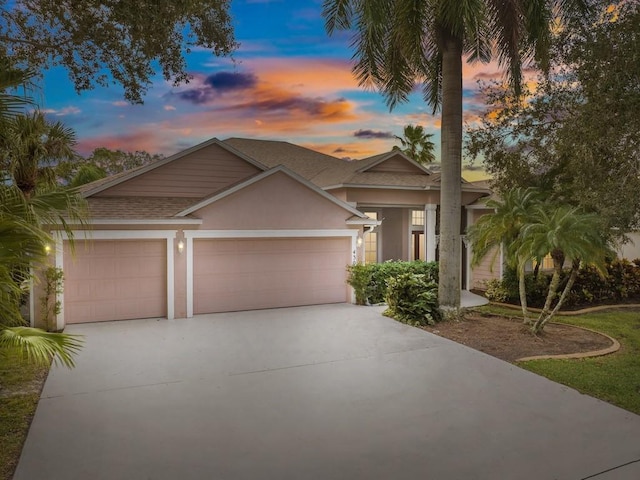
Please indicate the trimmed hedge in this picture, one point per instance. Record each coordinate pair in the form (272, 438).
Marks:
(370, 281)
(620, 284)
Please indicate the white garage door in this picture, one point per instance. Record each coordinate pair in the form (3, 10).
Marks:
(115, 280)
(249, 274)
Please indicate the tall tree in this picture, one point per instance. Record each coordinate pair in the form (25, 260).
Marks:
(399, 43)
(22, 238)
(416, 144)
(102, 42)
(576, 132)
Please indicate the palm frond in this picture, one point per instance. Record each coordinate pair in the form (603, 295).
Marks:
(338, 15)
(11, 79)
(39, 346)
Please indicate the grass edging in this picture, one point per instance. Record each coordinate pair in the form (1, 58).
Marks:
(615, 346)
(584, 311)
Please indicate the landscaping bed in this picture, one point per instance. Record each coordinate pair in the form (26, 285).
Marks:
(509, 339)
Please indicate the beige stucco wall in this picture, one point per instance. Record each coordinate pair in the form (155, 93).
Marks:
(375, 196)
(395, 234)
(276, 202)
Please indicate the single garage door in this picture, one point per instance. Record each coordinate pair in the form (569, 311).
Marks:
(248, 274)
(115, 280)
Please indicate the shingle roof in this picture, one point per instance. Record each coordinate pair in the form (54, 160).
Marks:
(305, 162)
(139, 208)
(327, 171)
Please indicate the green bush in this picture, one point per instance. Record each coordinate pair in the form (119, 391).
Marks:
(413, 299)
(359, 278)
(496, 291)
(621, 283)
(369, 281)
(382, 272)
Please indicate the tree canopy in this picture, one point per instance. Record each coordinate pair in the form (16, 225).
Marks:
(101, 41)
(576, 132)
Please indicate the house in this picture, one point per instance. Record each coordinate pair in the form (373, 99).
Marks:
(245, 224)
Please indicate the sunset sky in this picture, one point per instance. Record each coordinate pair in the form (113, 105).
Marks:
(290, 81)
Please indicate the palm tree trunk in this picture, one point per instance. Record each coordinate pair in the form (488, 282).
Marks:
(551, 294)
(450, 183)
(523, 294)
(541, 322)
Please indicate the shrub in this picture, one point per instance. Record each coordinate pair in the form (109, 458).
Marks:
(621, 283)
(359, 278)
(382, 272)
(413, 299)
(496, 291)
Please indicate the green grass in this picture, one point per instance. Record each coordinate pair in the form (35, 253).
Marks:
(19, 397)
(613, 378)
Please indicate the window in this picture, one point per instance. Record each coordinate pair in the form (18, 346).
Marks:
(418, 240)
(371, 242)
(417, 218)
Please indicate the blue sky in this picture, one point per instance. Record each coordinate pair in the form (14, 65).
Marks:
(289, 81)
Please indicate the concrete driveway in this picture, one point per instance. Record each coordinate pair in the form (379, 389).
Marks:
(326, 392)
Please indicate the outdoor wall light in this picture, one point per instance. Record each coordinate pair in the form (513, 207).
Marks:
(359, 241)
(47, 249)
(180, 246)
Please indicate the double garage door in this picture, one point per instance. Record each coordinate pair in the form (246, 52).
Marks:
(127, 279)
(248, 274)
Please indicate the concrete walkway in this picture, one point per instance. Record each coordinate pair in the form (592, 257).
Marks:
(329, 393)
(469, 300)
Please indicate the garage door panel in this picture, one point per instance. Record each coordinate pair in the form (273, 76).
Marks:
(115, 280)
(245, 274)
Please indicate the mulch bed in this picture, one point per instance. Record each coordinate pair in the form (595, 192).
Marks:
(508, 339)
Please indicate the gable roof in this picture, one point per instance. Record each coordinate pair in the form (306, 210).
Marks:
(105, 183)
(328, 172)
(371, 162)
(261, 176)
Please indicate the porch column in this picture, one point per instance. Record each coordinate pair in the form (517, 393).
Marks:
(430, 230)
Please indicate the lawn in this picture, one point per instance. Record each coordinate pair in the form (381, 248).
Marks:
(613, 378)
(20, 386)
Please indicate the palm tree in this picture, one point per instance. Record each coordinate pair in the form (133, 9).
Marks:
(416, 144)
(502, 230)
(22, 239)
(568, 235)
(399, 43)
(22, 246)
(12, 79)
(29, 146)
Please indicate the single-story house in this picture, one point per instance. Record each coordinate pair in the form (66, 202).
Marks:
(247, 224)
